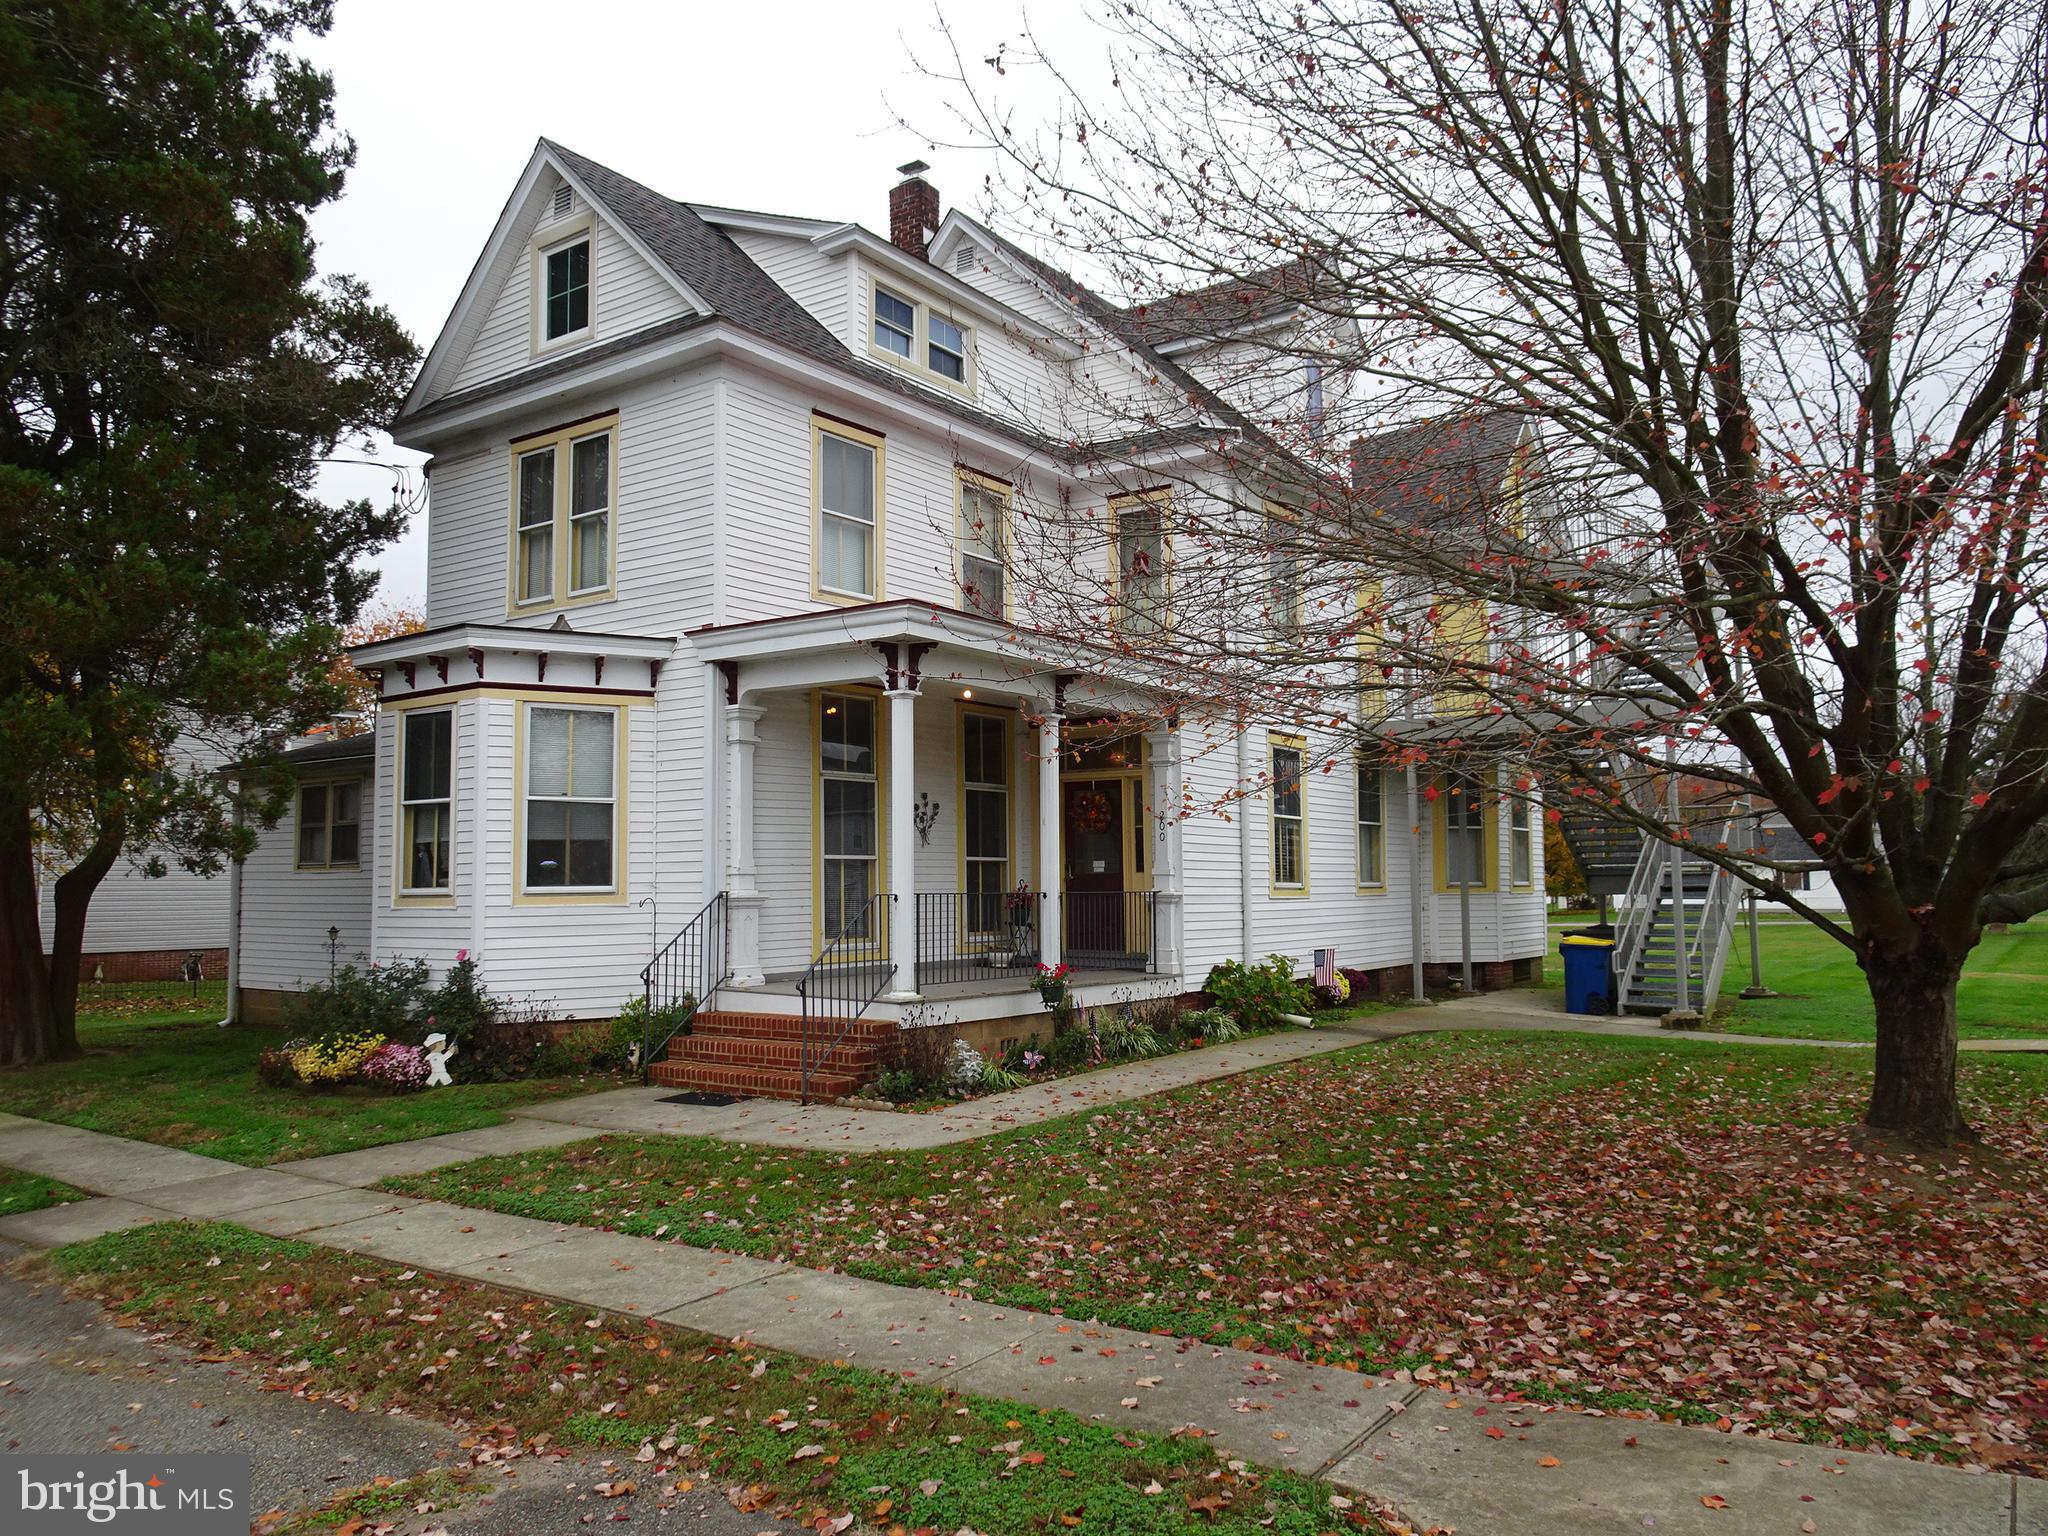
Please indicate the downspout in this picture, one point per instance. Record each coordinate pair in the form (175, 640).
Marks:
(234, 1008)
(1415, 889)
(1244, 844)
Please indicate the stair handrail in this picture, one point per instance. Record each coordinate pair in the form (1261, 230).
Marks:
(851, 971)
(686, 972)
(1717, 920)
(1641, 900)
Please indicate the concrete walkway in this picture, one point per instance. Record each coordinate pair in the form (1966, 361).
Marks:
(1487, 1469)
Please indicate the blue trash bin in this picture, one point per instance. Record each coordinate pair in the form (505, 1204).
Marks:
(1588, 974)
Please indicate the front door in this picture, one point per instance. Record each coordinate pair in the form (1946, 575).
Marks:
(1092, 835)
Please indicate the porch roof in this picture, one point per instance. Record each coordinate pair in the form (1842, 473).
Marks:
(1025, 659)
(563, 641)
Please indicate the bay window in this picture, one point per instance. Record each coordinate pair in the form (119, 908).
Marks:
(571, 799)
(426, 789)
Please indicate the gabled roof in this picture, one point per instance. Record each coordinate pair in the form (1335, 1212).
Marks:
(730, 286)
(1219, 309)
(1432, 471)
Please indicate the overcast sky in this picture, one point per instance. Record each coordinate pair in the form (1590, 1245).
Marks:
(791, 108)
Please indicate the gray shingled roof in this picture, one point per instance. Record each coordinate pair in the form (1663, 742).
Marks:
(1421, 474)
(714, 267)
(1213, 311)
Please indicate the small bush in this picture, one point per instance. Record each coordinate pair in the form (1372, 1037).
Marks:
(995, 1079)
(390, 1000)
(1363, 983)
(1256, 995)
(964, 1067)
(336, 1057)
(1333, 996)
(1212, 1026)
(396, 1066)
(1068, 1051)
(925, 1051)
(898, 1087)
(576, 1049)
(635, 1023)
(1124, 1037)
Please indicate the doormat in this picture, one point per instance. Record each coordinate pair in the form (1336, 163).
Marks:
(705, 1100)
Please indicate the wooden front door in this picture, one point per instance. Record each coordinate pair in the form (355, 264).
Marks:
(1092, 836)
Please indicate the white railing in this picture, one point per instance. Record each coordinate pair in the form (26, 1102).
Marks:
(1641, 900)
(1717, 923)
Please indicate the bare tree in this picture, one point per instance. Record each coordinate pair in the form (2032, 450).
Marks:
(1694, 353)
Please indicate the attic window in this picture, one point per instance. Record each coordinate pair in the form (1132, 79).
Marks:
(567, 275)
(895, 323)
(558, 205)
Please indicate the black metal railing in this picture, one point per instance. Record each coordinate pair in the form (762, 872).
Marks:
(681, 979)
(851, 971)
(1110, 930)
(970, 936)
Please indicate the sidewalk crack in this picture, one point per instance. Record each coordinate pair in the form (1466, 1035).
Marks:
(1352, 1446)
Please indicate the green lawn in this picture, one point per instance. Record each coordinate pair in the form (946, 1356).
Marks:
(785, 1436)
(2003, 996)
(1617, 1222)
(174, 1078)
(28, 1192)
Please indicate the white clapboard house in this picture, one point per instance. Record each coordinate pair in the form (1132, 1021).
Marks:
(723, 684)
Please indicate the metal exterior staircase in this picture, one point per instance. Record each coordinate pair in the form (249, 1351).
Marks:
(1658, 940)
(1606, 850)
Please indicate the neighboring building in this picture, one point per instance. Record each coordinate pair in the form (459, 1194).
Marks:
(145, 927)
(723, 650)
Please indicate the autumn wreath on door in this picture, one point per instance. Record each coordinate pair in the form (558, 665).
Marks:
(1092, 811)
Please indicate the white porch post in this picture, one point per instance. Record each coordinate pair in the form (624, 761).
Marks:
(1051, 871)
(1162, 751)
(902, 918)
(743, 896)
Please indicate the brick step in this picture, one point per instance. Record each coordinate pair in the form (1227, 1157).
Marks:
(776, 1026)
(752, 1051)
(752, 1082)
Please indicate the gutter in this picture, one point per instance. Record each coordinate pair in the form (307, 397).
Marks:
(1244, 844)
(234, 1007)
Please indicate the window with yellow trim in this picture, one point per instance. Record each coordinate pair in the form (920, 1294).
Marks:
(572, 804)
(562, 494)
(848, 497)
(1284, 573)
(1290, 828)
(1522, 842)
(330, 825)
(1462, 645)
(1139, 577)
(1372, 825)
(849, 790)
(1464, 830)
(985, 834)
(1373, 682)
(426, 797)
(984, 520)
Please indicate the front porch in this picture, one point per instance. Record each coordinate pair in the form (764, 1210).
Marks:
(917, 813)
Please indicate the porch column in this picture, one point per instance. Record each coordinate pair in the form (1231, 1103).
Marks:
(1051, 871)
(742, 895)
(902, 918)
(1163, 793)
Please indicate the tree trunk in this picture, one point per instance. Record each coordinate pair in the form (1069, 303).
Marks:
(1914, 1094)
(27, 1027)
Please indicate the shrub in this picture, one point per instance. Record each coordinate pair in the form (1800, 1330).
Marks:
(274, 1064)
(995, 1079)
(1256, 995)
(396, 1066)
(1212, 1026)
(576, 1049)
(1123, 1036)
(898, 1087)
(635, 1023)
(964, 1067)
(1363, 984)
(390, 1000)
(1068, 1051)
(924, 1051)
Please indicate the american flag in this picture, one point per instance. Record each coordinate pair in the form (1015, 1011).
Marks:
(1326, 967)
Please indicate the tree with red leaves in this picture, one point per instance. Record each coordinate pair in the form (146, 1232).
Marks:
(1695, 410)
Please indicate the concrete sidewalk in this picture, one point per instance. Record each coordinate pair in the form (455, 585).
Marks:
(1487, 1469)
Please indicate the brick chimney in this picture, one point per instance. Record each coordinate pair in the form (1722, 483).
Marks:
(913, 210)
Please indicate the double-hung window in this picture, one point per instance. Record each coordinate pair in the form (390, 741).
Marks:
(849, 476)
(562, 515)
(1140, 553)
(565, 302)
(571, 799)
(895, 324)
(1372, 825)
(849, 814)
(330, 825)
(1283, 573)
(1522, 843)
(985, 781)
(1464, 830)
(984, 510)
(1290, 832)
(945, 349)
(426, 781)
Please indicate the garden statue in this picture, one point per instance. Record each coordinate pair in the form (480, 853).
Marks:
(440, 1051)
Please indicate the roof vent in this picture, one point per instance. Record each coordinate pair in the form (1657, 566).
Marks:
(966, 258)
(558, 205)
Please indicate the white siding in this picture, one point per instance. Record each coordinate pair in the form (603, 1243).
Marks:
(287, 911)
(821, 283)
(627, 295)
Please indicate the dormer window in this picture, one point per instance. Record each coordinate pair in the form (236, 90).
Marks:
(915, 336)
(895, 324)
(566, 301)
